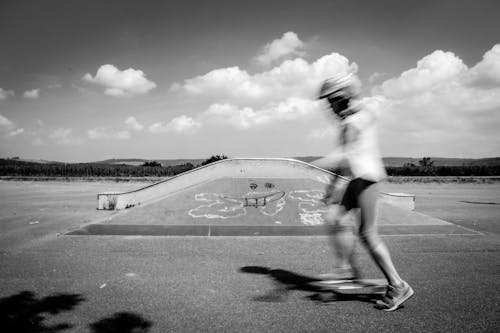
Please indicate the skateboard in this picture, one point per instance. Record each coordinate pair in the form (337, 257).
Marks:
(361, 286)
(338, 290)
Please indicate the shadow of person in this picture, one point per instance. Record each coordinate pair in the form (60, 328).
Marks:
(121, 322)
(283, 283)
(24, 312)
(286, 281)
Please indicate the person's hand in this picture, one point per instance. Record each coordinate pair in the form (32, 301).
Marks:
(333, 195)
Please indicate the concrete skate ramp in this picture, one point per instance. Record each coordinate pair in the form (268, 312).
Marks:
(240, 168)
(252, 197)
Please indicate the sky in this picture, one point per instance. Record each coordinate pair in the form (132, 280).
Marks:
(84, 81)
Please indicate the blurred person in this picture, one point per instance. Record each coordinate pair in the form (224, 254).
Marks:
(357, 152)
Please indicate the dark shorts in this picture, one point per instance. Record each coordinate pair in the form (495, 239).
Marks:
(354, 189)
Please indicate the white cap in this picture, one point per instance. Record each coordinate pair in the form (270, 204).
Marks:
(346, 85)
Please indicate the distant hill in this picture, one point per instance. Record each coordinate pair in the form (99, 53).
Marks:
(31, 160)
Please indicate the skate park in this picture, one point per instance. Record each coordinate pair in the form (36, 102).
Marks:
(246, 197)
(210, 254)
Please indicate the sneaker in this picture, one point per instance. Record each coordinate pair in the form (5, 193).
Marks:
(395, 296)
(338, 275)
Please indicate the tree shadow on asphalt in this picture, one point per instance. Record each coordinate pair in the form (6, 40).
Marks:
(121, 322)
(24, 312)
(284, 282)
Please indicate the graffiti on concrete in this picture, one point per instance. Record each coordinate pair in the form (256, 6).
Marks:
(219, 206)
(258, 199)
(311, 209)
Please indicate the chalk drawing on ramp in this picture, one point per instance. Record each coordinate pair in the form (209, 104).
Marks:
(219, 206)
(311, 208)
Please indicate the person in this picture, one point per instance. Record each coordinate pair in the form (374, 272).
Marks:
(357, 152)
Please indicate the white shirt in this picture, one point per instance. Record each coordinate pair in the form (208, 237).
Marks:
(361, 150)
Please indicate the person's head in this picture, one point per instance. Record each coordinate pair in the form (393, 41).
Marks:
(339, 91)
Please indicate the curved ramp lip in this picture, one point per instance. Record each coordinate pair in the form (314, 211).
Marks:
(226, 161)
(400, 195)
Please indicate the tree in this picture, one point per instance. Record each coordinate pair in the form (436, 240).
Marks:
(152, 164)
(426, 162)
(214, 158)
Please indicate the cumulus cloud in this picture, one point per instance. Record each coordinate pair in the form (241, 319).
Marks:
(286, 92)
(133, 124)
(106, 133)
(323, 134)
(65, 136)
(181, 124)
(439, 102)
(292, 78)
(120, 83)
(376, 77)
(442, 102)
(16, 132)
(288, 45)
(32, 94)
(248, 117)
(4, 94)
(487, 72)
(431, 71)
(5, 123)
(8, 128)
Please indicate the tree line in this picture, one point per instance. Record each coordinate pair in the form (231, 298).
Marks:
(426, 167)
(15, 167)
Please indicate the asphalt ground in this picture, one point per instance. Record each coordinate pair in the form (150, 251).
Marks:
(54, 282)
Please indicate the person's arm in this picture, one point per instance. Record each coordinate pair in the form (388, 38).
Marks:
(329, 162)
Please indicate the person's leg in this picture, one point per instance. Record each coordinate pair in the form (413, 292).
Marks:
(398, 290)
(341, 238)
(369, 235)
(340, 234)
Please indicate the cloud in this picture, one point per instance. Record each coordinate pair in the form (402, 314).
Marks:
(487, 72)
(5, 123)
(376, 77)
(444, 107)
(432, 71)
(322, 134)
(181, 124)
(4, 94)
(120, 83)
(429, 108)
(8, 128)
(286, 92)
(288, 45)
(106, 133)
(292, 78)
(32, 94)
(64, 136)
(54, 86)
(247, 117)
(133, 124)
(15, 132)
